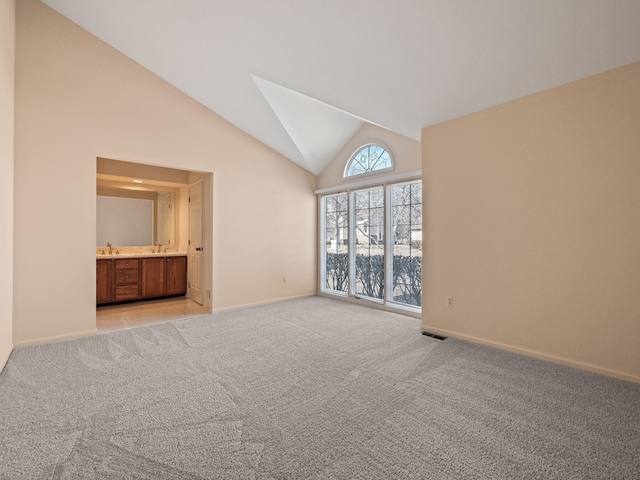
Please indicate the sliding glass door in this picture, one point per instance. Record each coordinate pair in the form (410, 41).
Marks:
(369, 242)
(406, 255)
(372, 244)
(335, 244)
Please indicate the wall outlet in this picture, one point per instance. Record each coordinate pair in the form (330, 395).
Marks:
(284, 279)
(450, 301)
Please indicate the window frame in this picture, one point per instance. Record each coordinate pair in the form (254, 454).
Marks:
(389, 246)
(323, 244)
(387, 183)
(352, 286)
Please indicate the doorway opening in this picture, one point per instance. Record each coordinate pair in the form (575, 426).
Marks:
(145, 264)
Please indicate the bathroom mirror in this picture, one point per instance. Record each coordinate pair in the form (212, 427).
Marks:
(135, 217)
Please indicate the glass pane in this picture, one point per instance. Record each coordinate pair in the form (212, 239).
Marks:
(368, 158)
(406, 225)
(401, 215)
(369, 230)
(376, 198)
(402, 194)
(336, 236)
(416, 192)
(416, 214)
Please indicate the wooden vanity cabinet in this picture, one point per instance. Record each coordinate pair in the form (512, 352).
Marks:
(104, 281)
(163, 276)
(127, 283)
(175, 276)
(153, 277)
(125, 279)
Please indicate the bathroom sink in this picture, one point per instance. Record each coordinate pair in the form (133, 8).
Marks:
(140, 255)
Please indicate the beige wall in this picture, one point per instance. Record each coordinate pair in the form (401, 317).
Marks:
(78, 99)
(7, 57)
(532, 214)
(109, 166)
(116, 192)
(405, 151)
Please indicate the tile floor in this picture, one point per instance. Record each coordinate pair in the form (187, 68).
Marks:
(115, 317)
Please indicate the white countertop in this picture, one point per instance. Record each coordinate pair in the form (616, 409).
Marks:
(140, 255)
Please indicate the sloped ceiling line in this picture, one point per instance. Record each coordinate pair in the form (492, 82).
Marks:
(402, 65)
(318, 130)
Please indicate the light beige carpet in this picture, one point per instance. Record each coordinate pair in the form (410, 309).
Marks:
(307, 389)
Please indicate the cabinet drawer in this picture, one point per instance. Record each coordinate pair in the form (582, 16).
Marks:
(123, 263)
(129, 275)
(126, 292)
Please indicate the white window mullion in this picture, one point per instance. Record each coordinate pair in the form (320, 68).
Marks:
(352, 245)
(388, 246)
(323, 243)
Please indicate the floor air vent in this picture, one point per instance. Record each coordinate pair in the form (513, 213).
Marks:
(434, 335)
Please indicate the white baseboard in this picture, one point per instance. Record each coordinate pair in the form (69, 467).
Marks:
(56, 338)
(5, 358)
(266, 302)
(537, 354)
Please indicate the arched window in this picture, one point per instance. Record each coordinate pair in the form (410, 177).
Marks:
(371, 157)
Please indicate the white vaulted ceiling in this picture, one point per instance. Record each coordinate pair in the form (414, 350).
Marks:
(303, 75)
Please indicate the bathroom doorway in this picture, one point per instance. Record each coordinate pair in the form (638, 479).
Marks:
(132, 296)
